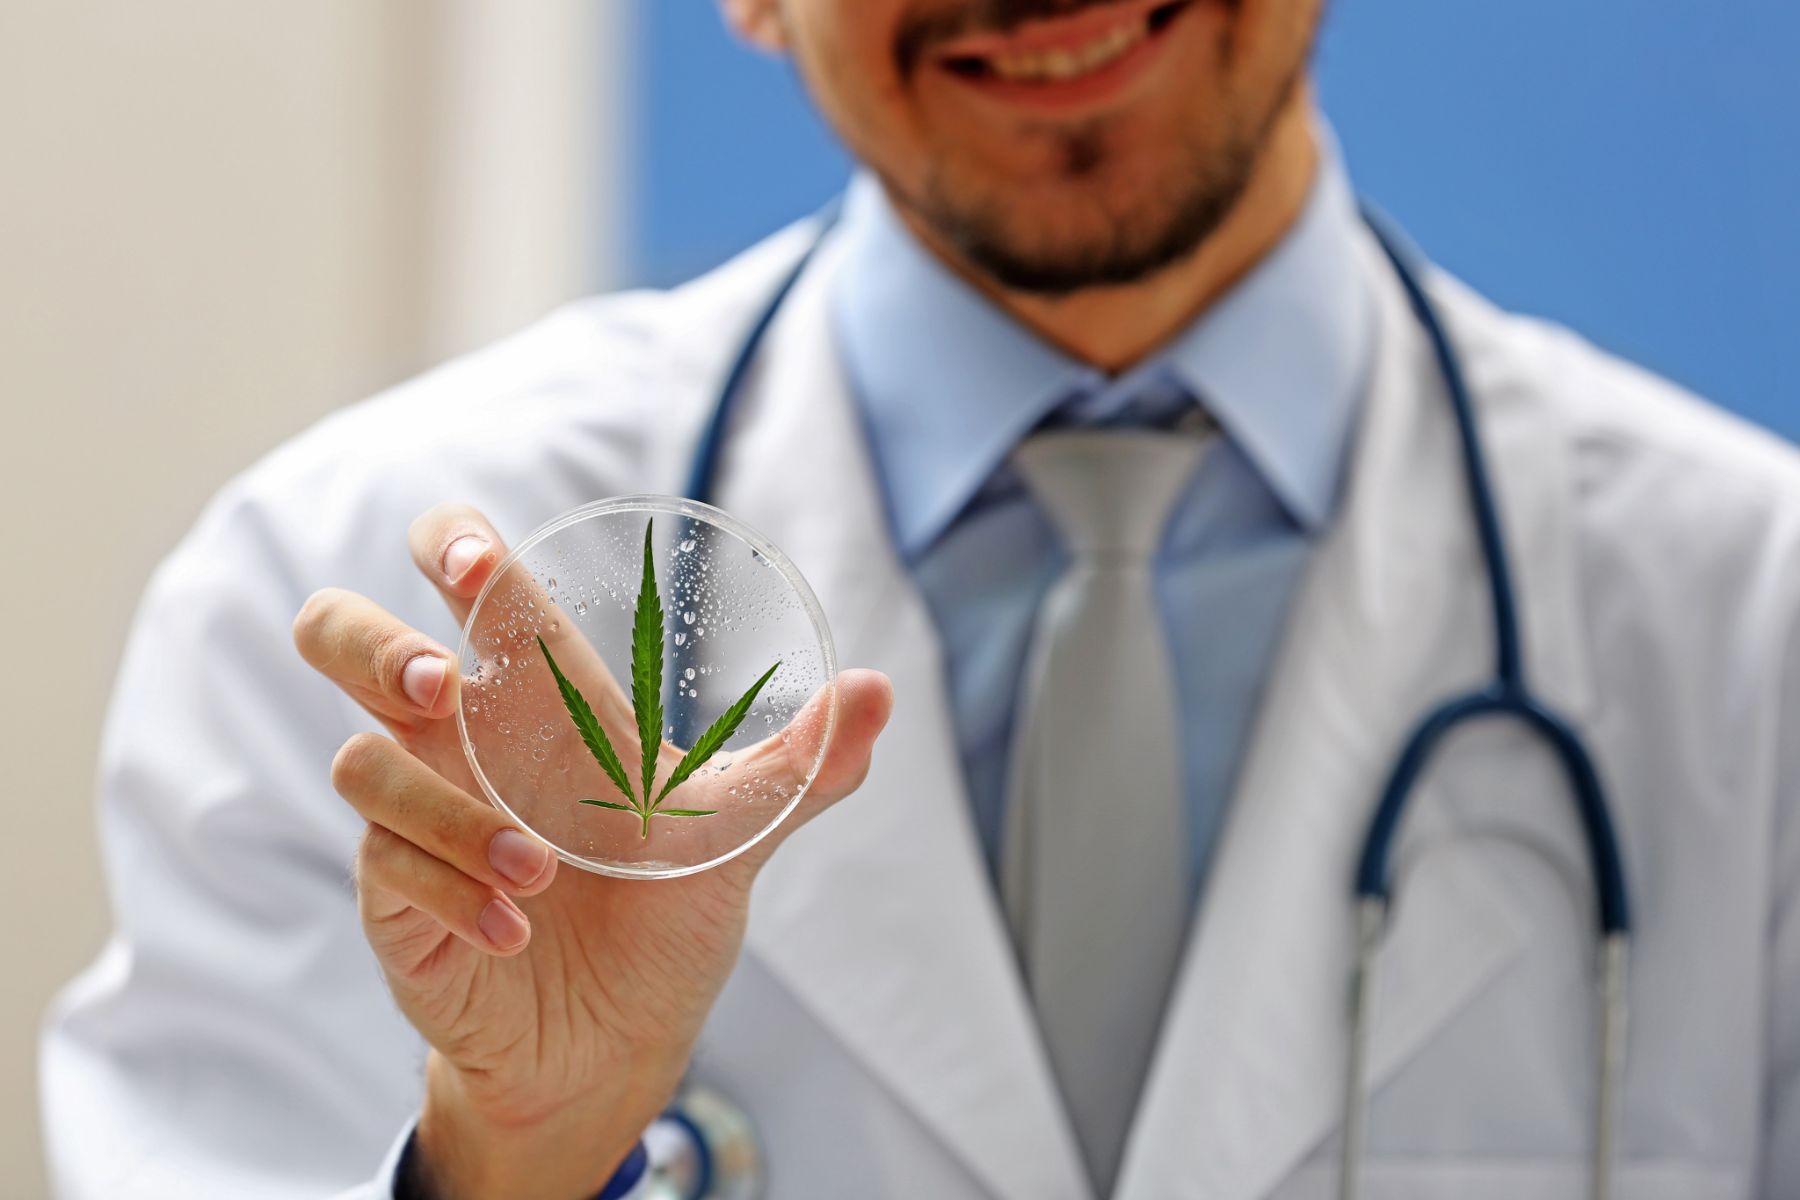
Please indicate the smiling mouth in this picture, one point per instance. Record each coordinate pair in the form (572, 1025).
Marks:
(1060, 50)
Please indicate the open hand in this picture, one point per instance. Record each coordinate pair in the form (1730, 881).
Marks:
(560, 1017)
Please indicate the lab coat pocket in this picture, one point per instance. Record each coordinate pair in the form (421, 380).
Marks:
(1520, 1179)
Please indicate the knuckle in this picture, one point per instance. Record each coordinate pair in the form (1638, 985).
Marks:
(388, 650)
(453, 832)
(379, 844)
(357, 760)
(377, 856)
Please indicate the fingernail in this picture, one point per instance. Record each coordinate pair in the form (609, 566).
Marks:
(503, 925)
(521, 859)
(422, 679)
(462, 554)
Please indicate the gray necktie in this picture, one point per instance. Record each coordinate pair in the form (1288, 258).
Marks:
(1094, 859)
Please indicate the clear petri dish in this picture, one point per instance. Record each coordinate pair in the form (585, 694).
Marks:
(725, 663)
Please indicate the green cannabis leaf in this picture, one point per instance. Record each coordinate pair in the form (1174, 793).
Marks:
(588, 725)
(709, 742)
(646, 668)
(646, 704)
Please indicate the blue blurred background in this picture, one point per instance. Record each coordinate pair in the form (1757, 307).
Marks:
(1630, 170)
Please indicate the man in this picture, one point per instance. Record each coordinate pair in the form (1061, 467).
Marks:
(1106, 434)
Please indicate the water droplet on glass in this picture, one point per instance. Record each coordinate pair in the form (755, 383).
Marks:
(699, 630)
(547, 731)
(687, 618)
(505, 662)
(555, 626)
(539, 754)
(504, 727)
(549, 586)
(687, 545)
(680, 638)
(689, 673)
(580, 607)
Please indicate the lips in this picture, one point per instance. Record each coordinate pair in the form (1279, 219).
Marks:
(1024, 66)
(1060, 50)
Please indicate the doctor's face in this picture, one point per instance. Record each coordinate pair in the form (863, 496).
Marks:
(1050, 144)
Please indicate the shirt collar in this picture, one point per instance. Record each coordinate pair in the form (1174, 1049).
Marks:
(950, 383)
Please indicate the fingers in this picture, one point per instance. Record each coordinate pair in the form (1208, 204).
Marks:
(433, 848)
(391, 789)
(395, 877)
(456, 548)
(388, 667)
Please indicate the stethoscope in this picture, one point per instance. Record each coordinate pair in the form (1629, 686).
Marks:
(1505, 695)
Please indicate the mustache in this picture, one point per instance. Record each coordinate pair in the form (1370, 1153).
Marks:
(924, 30)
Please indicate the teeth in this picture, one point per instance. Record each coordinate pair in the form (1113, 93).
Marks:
(1056, 66)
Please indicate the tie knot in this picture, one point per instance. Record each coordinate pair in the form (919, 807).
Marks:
(1109, 492)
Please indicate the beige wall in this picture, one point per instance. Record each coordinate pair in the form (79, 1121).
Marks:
(218, 219)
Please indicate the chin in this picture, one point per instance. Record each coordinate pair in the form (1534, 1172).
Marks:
(1096, 223)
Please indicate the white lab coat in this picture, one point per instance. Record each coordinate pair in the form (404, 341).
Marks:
(235, 1040)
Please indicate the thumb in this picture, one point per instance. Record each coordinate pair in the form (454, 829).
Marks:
(863, 701)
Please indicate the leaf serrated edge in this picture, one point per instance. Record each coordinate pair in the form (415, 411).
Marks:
(708, 743)
(593, 734)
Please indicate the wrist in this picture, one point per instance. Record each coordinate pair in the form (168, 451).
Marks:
(468, 1148)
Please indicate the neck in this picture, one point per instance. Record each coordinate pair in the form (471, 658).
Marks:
(1113, 327)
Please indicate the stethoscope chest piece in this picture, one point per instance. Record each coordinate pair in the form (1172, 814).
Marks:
(704, 1148)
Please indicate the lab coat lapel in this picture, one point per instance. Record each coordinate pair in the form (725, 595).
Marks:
(1392, 616)
(879, 917)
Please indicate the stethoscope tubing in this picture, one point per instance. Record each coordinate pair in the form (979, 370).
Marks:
(1507, 695)
(703, 472)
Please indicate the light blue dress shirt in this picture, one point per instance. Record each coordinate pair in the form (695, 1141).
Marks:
(949, 385)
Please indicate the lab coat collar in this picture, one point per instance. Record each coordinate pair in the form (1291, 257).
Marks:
(880, 919)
